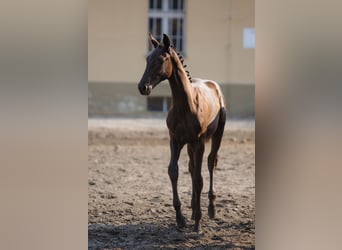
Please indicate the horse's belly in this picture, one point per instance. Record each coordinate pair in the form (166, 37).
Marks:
(212, 127)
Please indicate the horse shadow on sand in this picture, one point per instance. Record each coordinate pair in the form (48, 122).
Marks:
(167, 236)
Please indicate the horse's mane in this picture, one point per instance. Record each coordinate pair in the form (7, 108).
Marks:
(180, 57)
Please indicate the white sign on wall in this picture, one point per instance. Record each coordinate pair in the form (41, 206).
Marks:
(249, 38)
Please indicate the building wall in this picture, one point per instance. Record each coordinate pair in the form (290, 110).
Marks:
(117, 33)
(117, 42)
(215, 40)
(241, 59)
(107, 99)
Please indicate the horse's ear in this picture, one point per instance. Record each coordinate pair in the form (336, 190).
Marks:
(166, 41)
(153, 40)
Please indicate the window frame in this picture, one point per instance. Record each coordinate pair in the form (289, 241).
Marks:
(166, 14)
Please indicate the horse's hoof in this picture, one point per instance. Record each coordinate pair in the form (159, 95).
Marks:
(180, 221)
(211, 211)
(197, 229)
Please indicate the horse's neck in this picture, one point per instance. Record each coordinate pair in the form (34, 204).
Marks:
(180, 87)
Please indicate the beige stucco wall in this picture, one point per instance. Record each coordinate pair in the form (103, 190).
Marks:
(215, 40)
(241, 60)
(117, 33)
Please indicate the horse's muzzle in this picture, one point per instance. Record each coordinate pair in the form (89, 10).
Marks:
(145, 89)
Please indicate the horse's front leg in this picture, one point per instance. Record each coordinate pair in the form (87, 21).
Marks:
(191, 170)
(173, 174)
(197, 183)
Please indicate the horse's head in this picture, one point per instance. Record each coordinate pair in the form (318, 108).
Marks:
(158, 65)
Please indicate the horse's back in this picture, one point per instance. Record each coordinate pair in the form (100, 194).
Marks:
(210, 89)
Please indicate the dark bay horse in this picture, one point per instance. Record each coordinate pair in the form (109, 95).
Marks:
(197, 114)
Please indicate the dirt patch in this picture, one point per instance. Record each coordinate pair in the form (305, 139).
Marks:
(130, 195)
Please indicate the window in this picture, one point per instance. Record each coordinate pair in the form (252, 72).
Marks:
(249, 38)
(167, 16)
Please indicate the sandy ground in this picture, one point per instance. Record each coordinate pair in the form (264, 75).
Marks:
(130, 196)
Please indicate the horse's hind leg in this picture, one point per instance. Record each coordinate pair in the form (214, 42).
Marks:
(212, 162)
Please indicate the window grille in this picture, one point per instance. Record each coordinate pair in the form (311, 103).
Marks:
(167, 16)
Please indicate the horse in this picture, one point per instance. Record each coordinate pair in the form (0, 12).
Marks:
(197, 114)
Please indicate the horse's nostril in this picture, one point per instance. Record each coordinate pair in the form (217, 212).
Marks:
(142, 88)
(145, 89)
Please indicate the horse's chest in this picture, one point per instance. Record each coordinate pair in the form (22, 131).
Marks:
(184, 129)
